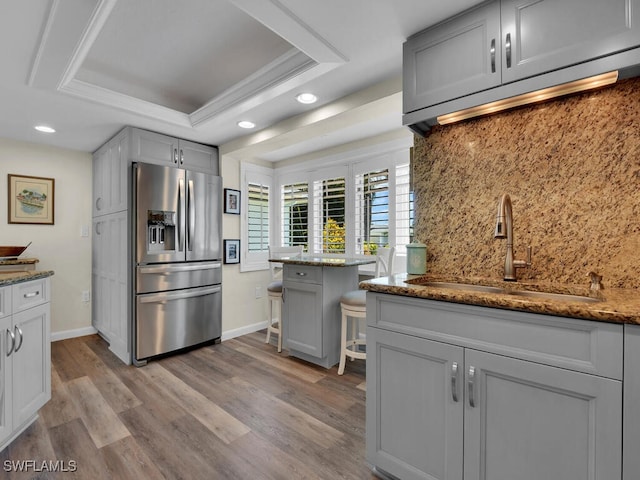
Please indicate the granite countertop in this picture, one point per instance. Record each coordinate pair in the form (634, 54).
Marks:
(321, 261)
(9, 278)
(18, 261)
(615, 305)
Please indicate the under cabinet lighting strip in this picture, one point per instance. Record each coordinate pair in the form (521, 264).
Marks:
(590, 83)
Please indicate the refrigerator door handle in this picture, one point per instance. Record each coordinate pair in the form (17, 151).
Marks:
(168, 296)
(191, 207)
(179, 268)
(180, 219)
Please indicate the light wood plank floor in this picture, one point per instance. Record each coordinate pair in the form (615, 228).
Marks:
(237, 410)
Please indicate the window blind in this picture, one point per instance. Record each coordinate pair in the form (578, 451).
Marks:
(258, 217)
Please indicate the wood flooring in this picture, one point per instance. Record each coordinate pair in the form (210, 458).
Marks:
(236, 410)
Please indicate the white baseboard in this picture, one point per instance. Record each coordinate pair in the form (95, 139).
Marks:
(228, 335)
(78, 332)
(237, 332)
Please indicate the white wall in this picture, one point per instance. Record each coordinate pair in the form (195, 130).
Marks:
(242, 312)
(59, 247)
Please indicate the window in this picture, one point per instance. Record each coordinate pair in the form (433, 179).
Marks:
(372, 211)
(295, 214)
(255, 210)
(329, 210)
(257, 217)
(352, 206)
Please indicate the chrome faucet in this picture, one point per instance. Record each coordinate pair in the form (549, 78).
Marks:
(504, 229)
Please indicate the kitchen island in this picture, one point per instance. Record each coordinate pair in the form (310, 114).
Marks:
(312, 287)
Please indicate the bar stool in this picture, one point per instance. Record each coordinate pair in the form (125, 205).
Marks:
(274, 291)
(354, 304)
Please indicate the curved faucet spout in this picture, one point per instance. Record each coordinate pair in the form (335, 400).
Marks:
(504, 229)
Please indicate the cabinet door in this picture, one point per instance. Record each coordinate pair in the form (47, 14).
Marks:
(549, 34)
(111, 295)
(6, 421)
(151, 147)
(110, 182)
(414, 406)
(453, 59)
(195, 156)
(530, 421)
(31, 376)
(302, 315)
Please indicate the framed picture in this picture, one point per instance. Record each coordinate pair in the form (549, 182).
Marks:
(30, 199)
(232, 201)
(232, 251)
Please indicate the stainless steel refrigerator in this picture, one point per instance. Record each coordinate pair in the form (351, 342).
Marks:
(178, 256)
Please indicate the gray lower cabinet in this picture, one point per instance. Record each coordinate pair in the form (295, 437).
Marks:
(311, 310)
(446, 401)
(500, 42)
(25, 355)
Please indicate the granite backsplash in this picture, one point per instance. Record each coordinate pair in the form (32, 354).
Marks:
(572, 169)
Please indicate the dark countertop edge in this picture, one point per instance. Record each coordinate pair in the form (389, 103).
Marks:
(20, 277)
(619, 306)
(318, 262)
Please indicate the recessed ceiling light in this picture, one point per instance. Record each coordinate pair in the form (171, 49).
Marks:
(307, 98)
(246, 124)
(45, 129)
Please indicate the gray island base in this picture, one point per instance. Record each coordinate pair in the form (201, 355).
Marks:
(312, 287)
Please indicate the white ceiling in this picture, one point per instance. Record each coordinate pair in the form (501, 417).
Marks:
(194, 68)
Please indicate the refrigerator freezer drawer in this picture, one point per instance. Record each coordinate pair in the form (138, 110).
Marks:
(169, 321)
(175, 276)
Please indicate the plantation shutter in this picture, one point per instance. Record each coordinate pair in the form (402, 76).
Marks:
(258, 217)
(295, 214)
(329, 215)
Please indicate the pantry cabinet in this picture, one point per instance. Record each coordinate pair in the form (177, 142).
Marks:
(500, 42)
(459, 392)
(25, 356)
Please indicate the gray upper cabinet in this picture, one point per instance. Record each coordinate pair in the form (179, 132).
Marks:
(501, 42)
(151, 147)
(453, 59)
(547, 35)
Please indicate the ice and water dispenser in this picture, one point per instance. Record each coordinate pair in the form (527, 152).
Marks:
(161, 230)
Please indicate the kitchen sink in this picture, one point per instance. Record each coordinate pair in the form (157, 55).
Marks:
(462, 286)
(552, 296)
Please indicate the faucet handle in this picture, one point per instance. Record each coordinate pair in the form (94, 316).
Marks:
(596, 281)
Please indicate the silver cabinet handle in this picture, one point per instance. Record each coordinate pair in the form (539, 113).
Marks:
(492, 50)
(454, 381)
(301, 274)
(175, 155)
(283, 290)
(99, 203)
(98, 229)
(181, 157)
(32, 294)
(21, 338)
(508, 49)
(471, 384)
(13, 341)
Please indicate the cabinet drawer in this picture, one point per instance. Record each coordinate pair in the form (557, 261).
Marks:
(302, 273)
(579, 345)
(29, 294)
(5, 302)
